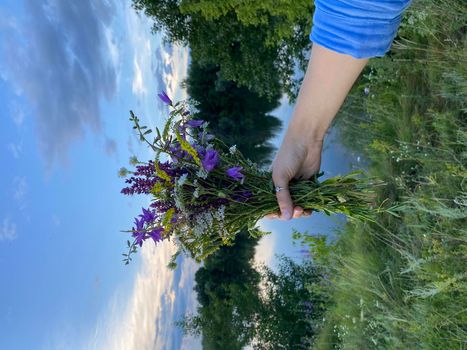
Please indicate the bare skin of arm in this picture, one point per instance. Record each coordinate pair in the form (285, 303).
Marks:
(329, 77)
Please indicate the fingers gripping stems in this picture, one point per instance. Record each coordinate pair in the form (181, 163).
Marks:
(283, 198)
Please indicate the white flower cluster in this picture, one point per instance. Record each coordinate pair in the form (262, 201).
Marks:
(204, 136)
(176, 194)
(178, 201)
(202, 173)
(202, 223)
(192, 106)
(181, 180)
(233, 149)
(205, 221)
(219, 216)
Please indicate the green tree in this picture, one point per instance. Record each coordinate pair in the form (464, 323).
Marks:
(286, 314)
(236, 115)
(292, 305)
(221, 320)
(167, 18)
(278, 29)
(255, 44)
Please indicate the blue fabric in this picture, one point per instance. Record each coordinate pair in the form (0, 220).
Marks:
(359, 28)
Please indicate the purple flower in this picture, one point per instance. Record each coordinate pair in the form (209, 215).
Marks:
(161, 207)
(182, 130)
(166, 99)
(138, 232)
(242, 196)
(156, 234)
(139, 224)
(145, 177)
(235, 173)
(148, 216)
(177, 153)
(211, 159)
(207, 137)
(200, 149)
(194, 123)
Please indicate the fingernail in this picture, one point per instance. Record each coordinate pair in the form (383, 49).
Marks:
(287, 215)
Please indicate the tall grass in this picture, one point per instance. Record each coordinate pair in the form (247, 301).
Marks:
(400, 283)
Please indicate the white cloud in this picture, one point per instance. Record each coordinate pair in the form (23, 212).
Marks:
(110, 146)
(138, 86)
(264, 253)
(8, 231)
(114, 51)
(15, 149)
(17, 114)
(21, 188)
(177, 61)
(155, 67)
(140, 321)
(265, 250)
(186, 277)
(56, 220)
(71, 36)
(142, 317)
(20, 191)
(142, 43)
(186, 284)
(63, 340)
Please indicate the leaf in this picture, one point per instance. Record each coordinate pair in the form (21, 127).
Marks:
(166, 223)
(162, 174)
(167, 126)
(187, 147)
(341, 198)
(157, 189)
(330, 181)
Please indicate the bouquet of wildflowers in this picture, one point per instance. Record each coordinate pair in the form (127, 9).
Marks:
(204, 192)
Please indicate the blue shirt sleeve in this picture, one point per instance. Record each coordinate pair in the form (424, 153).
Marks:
(359, 28)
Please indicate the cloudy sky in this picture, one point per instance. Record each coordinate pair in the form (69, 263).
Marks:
(70, 71)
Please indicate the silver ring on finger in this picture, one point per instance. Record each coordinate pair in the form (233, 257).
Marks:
(278, 189)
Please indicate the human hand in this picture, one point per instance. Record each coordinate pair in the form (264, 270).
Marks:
(298, 157)
(328, 79)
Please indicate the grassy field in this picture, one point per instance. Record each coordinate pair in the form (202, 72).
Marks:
(400, 283)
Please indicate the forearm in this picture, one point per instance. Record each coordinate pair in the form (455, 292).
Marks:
(329, 77)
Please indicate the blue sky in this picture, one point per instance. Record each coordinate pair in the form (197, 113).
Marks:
(69, 74)
(70, 71)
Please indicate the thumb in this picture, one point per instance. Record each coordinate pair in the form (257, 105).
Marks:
(283, 196)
